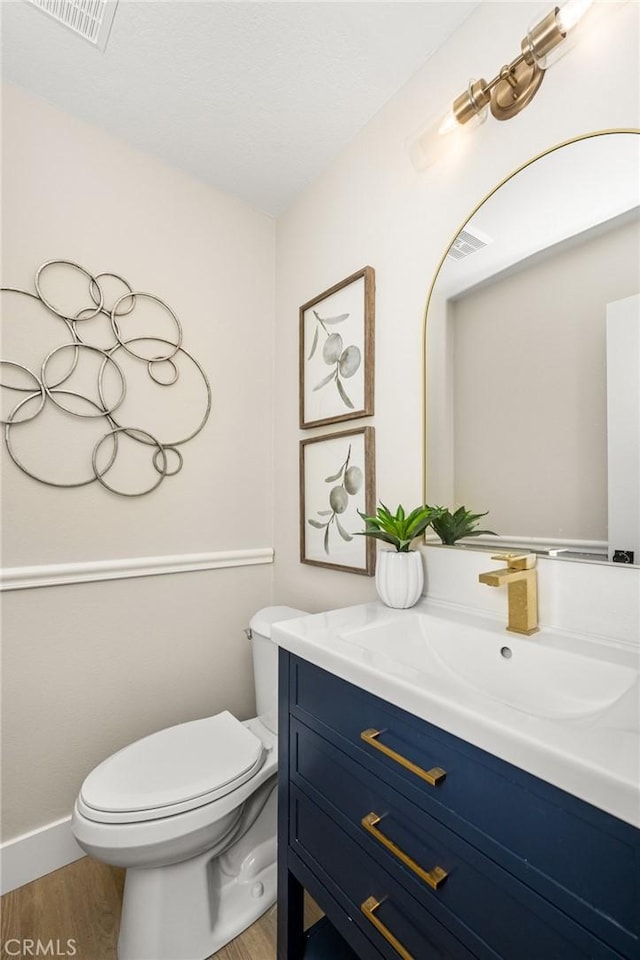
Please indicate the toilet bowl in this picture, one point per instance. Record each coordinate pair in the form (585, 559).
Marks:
(190, 812)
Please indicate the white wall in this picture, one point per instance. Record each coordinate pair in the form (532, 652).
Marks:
(530, 388)
(372, 207)
(89, 667)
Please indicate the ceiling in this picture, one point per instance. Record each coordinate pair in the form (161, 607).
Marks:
(255, 98)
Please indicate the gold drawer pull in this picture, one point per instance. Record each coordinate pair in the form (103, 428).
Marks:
(368, 908)
(434, 776)
(432, 877)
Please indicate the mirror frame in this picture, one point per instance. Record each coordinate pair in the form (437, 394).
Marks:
(424, 393)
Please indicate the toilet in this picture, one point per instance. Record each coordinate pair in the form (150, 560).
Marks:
(190, 812)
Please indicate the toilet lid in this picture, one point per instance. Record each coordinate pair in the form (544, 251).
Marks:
(176, 769)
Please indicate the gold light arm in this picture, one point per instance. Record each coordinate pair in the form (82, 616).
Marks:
(368, 908)
(472, 101)
(543, 38)
(516, 84)
(434, 776)
(432, 878)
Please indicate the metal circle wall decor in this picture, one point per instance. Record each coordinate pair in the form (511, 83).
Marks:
(103, 411)
(162, 367)
(29, 472)
(130, 432)
(156, 379)
(123, 343)
(181, 350)
(167, 472)
(39, 391)
(96, 300)
(76, 266)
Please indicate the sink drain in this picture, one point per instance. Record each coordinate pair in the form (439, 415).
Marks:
(506, 652)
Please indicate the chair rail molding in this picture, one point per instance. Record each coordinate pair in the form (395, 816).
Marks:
(59, 574)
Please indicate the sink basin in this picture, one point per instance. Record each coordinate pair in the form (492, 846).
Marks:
(539, 675)
(564, 707)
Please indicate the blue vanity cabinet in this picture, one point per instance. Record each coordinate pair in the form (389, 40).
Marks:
(418, 845)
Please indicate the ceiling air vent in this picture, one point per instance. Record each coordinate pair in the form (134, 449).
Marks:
(89, 19)
(467, 243)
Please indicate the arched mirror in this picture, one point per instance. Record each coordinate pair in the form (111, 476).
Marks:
(532, 365)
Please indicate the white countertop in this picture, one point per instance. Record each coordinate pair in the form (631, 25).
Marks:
(594, 755)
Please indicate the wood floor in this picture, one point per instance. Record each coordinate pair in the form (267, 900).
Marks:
(81, 902)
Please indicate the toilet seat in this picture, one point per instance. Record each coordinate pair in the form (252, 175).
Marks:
(177, 769)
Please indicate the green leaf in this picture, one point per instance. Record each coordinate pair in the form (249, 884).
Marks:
(324, 513)
(326, 540)
(384, 515)
(336, 476)
(416, 514)
(418, 526)
(317, 524)
(451, 527)
(377, 535)
(399, 529)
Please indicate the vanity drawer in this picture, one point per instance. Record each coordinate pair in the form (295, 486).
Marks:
(489, 911)
(580, 859)
(396, 921)
(356, 881)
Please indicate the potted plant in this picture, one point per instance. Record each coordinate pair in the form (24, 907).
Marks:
(451, 527)
(399, 572)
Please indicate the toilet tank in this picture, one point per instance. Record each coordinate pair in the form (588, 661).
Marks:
(265, 660)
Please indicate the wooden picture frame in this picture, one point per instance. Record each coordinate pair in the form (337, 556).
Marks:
(337, 352)
(337, 478)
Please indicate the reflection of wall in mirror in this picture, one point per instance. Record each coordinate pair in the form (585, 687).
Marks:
(623, 428)
(527, 378)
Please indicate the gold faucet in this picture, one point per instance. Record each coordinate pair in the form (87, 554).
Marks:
(520, 575)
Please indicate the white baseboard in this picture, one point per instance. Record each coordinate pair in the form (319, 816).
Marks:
(35, 854)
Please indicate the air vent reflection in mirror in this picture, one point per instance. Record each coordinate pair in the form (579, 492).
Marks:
(467, 243)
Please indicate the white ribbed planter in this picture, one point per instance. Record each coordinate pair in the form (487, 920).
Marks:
(399, 578)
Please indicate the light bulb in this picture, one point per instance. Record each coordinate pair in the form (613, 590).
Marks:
(571, 13)
(469, 110)
(449, 124)
(552, 37)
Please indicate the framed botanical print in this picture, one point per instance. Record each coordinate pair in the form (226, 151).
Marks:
(337, 352)
(337, 479)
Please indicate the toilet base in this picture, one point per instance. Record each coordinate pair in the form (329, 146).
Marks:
(189, 910)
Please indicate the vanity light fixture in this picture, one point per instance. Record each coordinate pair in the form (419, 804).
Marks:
(513, 87)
